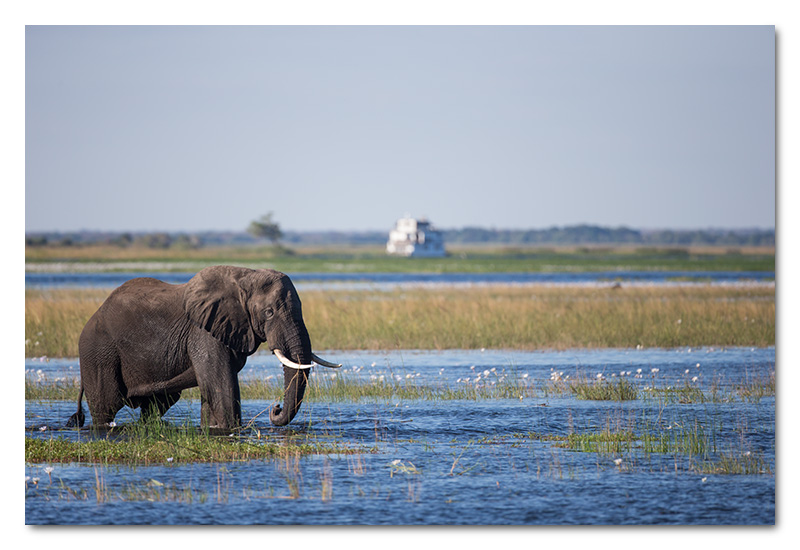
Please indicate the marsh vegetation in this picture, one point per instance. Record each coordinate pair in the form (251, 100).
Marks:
(492, 317)
(373, 259)
(419, 435)
(658, 401)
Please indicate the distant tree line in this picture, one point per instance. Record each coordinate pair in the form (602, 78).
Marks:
(573, 235)
(591, 234)
(160, 240)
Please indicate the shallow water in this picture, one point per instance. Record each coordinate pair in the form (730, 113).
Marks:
(474, 462)
(389, 281)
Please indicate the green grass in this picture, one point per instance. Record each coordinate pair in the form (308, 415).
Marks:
(371, 259)
(619, 437)
(156, 442)
(736, 463)
(601, 442)
(182, 449)
(688, 393)
(693, 440)
(615, 389)
(680, 438)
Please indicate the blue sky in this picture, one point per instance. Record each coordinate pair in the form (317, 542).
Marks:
(348, 128)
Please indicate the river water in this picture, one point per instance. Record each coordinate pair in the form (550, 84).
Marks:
(452, 462)
(389, 281)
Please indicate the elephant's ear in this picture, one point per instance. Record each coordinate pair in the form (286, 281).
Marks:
(215, 301)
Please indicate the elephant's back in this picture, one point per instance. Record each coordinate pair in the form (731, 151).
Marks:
(142, 299)
(140, 330)
(144, 290)
(142, 284)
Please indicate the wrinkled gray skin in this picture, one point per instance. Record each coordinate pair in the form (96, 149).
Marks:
(150, 340)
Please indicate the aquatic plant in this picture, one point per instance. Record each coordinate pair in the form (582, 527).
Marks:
(398, 466)
(154, 490)
(353, 385)
(684, 393)
(155, 442)
(736, 463)
(602, 388)
(605, 441)
(38, 387)
(754, 389)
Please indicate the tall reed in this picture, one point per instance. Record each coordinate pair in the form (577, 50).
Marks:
(54, 319)
(541, 317)
(535, 317)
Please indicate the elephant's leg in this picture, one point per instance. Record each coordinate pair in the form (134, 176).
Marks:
(217, 371)
(217, 411)
(157, 405)
(220, 403)
(104, 408)
(101, 379)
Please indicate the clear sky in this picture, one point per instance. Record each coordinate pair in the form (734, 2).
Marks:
(348, 128)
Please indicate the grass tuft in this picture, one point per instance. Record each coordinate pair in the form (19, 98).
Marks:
(156, 442)
(616, 389)
(736, 463)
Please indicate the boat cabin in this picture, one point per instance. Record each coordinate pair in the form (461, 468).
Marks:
(415, 238)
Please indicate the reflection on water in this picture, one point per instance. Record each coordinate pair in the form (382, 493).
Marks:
(432, 461)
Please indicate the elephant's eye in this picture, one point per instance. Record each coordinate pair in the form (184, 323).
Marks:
(269, 313)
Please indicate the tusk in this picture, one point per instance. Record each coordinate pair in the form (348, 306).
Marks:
(324, 363)
(287, 363)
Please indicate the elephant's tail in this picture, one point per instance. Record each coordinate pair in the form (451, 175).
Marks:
(77, 419)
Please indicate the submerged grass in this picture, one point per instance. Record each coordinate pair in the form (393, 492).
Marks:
(354, 387)
(322, 389)
(696, 439)
(684, 436)
(685, 393)
(535, 317)
(694, 443)
(736, 463)
(62, 389)
(753, 389)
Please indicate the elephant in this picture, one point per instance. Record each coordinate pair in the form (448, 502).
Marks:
(150, 340)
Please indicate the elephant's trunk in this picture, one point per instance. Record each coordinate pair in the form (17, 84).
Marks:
(294, 383)
(294, 380)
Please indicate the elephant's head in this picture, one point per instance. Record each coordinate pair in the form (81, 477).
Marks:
(244, 308)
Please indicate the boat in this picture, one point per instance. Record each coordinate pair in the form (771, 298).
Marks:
(415, 238)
